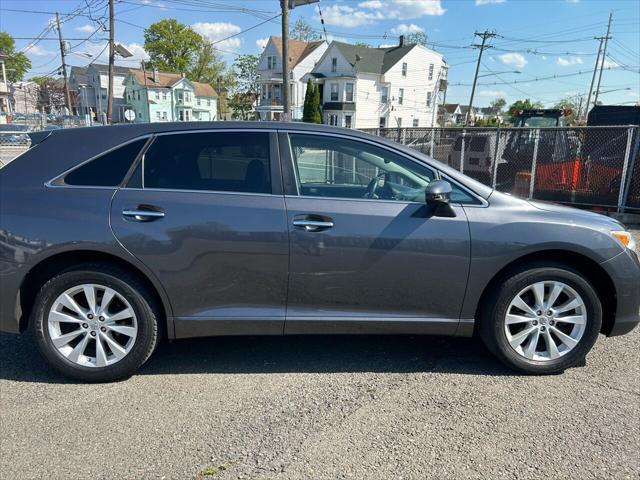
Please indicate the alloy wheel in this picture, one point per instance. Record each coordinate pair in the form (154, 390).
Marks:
(92, 325)
(545, 321)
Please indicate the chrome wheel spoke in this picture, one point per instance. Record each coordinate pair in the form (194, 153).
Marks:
(522, 305)
(64, 339)
(128, 331)
(577, 319)
(79, 349)
(541, 333)
(92, 322)
(520, 337)
(122, 315)
(63, 318)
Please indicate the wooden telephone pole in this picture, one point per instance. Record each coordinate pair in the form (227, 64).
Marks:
(67, 95)
(484, 35)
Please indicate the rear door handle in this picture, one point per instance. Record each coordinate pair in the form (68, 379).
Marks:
(312, 224)
(143, 214)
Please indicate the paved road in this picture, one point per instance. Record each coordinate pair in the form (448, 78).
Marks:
(324, 407)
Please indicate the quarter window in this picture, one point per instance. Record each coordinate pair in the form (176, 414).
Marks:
(109, 169)
(228, 162)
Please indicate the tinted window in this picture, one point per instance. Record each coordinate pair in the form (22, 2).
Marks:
(337, 167)
(109, 169)
(225, 161)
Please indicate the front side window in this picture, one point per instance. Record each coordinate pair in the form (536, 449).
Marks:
(349, 92)
(334, 92)
(225, 161)
(344, 168)
(107, 170)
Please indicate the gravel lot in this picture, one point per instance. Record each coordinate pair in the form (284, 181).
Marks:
(324, 407)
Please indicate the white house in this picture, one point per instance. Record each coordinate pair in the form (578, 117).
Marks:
(302, 59)
(366, 87)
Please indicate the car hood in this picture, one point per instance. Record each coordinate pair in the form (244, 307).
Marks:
(575, 215)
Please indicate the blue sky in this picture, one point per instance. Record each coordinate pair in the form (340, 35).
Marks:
(538, 38)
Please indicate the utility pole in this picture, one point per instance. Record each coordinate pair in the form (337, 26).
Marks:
(484, 35)
(112, 54)
(593, 78)
(604, 54)
(67, 95)
(286, 108)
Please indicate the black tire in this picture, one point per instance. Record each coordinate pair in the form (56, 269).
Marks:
(493, 312)
(127, 285)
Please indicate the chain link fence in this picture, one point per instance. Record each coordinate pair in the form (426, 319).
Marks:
(588, 166)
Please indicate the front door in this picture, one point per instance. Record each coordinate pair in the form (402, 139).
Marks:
(205, 212)
(366, 254)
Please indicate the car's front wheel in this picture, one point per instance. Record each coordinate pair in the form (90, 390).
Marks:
(95, 323)
(542, 319)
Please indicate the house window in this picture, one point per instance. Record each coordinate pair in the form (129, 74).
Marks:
(349, 93)
(164, 116)
(332, 119)
(264, 91)
(187, 115)
(157, 95)
(384, 98)
(334, 64)
(198, 101)
(158, 117)
(431, 71)
(416, 122)
(404, 69)
(187, 96)
(180, 96)
(399, 122)
(164, 95)
(138, 94)
(400, 96)
(429, 99)
(347, 121)
(271, 62)
(334, 92)
(383, 122)
(276, 91)
(208, 102)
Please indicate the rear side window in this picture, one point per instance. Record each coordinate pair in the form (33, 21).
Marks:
(224, 161)
(107, 170)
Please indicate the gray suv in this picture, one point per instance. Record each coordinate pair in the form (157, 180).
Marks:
(114, 238)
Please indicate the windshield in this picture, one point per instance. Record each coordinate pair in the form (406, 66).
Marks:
(538, 122)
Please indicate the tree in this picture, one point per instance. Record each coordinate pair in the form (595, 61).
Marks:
(316, 110)
(172, 45)
(308, 109)
(303, 31)
(497, 105)
(419, 38)
(522, 105)
(208, 66)
(51, 97)
(16, 63)
(567, 104)
(246, 89)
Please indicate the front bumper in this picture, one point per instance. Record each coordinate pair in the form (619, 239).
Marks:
(11, 277)
(624, 270)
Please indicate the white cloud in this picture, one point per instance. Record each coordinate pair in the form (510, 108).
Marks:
(336, 38)
(610, 64)
(544, 57)
(492, 93)
(569, 61)
(217, 31)
(486, 2)
(38, 51)
(373, 11)
(404, 29)
(262, 42)
(387, 45)
(86, 28)
(514, 59)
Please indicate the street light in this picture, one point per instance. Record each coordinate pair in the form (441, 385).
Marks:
(498, 73)
(615, 90)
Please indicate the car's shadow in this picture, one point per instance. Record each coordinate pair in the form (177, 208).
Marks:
(19, 360)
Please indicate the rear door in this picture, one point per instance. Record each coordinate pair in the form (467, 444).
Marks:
(205, 212)
(366, 255)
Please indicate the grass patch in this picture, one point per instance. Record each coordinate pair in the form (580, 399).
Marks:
(209, 472)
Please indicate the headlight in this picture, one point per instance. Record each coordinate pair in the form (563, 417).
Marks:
(625, 238)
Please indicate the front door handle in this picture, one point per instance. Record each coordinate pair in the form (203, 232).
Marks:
(311, 224)
(143, 213)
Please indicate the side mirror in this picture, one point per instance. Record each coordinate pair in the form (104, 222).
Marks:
(438, 193)
(437, 196)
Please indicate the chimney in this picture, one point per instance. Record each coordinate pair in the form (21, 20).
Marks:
(156, 78)
(402, 40)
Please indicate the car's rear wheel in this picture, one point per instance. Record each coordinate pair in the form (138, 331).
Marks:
(542, 319)
(95, 323)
